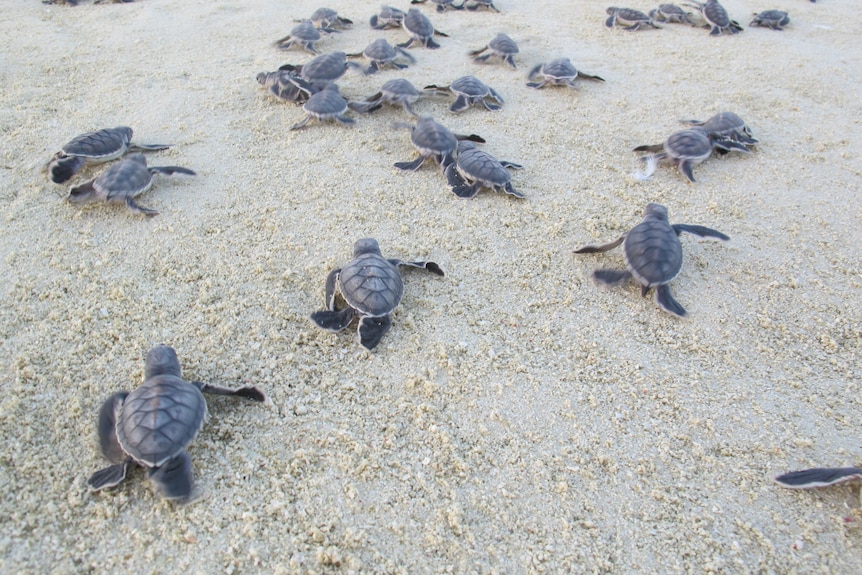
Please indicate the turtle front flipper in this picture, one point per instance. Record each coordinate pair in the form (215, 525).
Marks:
(110, 445)
(249, 392)
(701, 231)
(329, 292)
(410, 166)
(510, 189)
(599, 248)
(372, 330)
(730, 146)
(460, 104)
(592, 77)
(334, 321)
(491, 106)
(62, 167)
(429, 266)
(171, 170)
(174, 480)
(82, 193)
(611, 278)
(134, 207)
(110, 476)
(134, 147)
(467, 191)
(664, 299)
(611, 21)
(818, 477)
(686, 168)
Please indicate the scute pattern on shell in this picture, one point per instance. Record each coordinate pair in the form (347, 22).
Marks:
(126, 178)
(430, 137)
(653, 252)
(99, 144)
(371, 285)
(159, 419)
(694, 143)
(478, 165)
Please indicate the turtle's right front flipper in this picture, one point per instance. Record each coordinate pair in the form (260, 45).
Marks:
(818, 477)
(701, 231)
(249, 392)
(135, 147)
(429, 266)
(599, 248)
(333, 320)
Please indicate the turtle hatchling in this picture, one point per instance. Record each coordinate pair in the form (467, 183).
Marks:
(819, 477)
(389, 17)
(716, 17)
(653, 255)
(628, 18)
(469, 90)
(775, 19)
(122, 182)
(474, 169)
(726, 126)
(381, 54)
(371, 287)
(671, 13)
(500, 46)
(398, 91)
(685, 149)
(559, 72)
(94, 148)
(153, 425)
(303, 34)
(328, 104)
(433, 140)
(322, 70)
(441, 5)
(286, 85)
(421, 30)
(328, 20)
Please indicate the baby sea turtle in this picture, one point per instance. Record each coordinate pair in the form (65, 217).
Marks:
(328, 104)
(474, 5)
(433, 140)
(671, 13)
(303, 34)
(94, 148)
(775, 19)
(469, 90)
(322, 70)
(716, 17)
(474, 169)
(685, 149)
(441, 5)
(501, 46)
(122, 182)
(819, 477)
(398, 91)
(382, 53)
(421, 30)
(389, 17)
(653, 255)
(153, 425)
(371, 286)
(328, 20)
(726, 126)
(629, 18)
(286, 85)
(558, 72)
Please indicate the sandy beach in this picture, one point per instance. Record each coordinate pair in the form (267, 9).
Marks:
(516, 418)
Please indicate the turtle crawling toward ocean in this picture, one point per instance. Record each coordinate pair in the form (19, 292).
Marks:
(153, 425)
(322, 70)
(474, 169)
(123, 182)
(303, 34)
(726, 126)
(286, 85)
(371, 287)
(671, 13)
(500, 46)
(716, 17)
(328, 20)
(421, 30)
(328, 104)
(397, 92)
(381, 54)
(469, 90)
(653, 255)
(558, 72)
(775, 19)
(686, 149)
(629, 18)
(433, 140)
(94, 148)
(389, 17)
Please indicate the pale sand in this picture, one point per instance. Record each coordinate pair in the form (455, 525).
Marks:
(517, 418)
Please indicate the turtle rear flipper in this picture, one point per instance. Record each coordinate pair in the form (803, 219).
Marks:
(372, 330)
(599, 248)
(818, 477)
(701, 231)
(664, 299)
(334, 321)
(611, 277)
(249, 392)
(135, 208)
(110, 476)
(174, 480)
(62, 168)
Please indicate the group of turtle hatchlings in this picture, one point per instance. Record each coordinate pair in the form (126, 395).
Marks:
(152, 426)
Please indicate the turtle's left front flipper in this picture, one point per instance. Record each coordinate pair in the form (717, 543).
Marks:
(250, 392)
(171, 170)
(429, 266)
(135, 147)
(701, 231)
(818, 477)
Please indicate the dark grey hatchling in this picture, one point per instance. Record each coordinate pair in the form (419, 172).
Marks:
(286, 85)
(328, 104)
(153, 425)
(389, 17)
(558, 72)
(726, 126)
(381, 54)
(474, 169)
(469, 90)
(397, 92)
(628, 18)
(328, 20)
(94, 148)
(685, 149)
(321, 70)
(775, 19)
(500, 46)
(716, 17)
(433, 140)
(819, 477)
(670, 14)
(122, 182)
(653, 255)
(303, 34)
(371, 287)
(421, 30)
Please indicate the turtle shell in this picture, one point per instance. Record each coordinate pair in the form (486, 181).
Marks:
(629, 15)
(380, 50)
(480, 166)
(418, 24)
(399, 88)
(159, 419)
(430, 137)
(371, 285)
(559, 69)
(652, 249)
(128, 177)
(715, 14)
(469, 86)
(305, 32)
(324, 68)
(503, 44)
(102, 144)
(693, 144)
(326, 103)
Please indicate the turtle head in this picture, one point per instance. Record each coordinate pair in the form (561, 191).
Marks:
(465, 145)
(161, 360)
(366, 246)
(655, 211)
